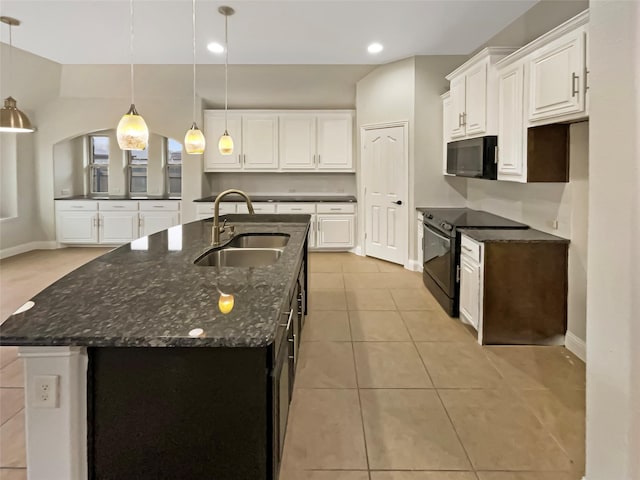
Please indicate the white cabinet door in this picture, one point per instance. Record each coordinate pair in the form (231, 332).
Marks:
(469, 290)
(213, 130)
(419, 242)
(259, 142)
(335, 231)
(475, 112)
(152, 222)
(511, 124)
(118, 227)
(312, 232)
(556, 77)
(335, 141)
(297, 142)
(457, 106)
(446, 128)
(77, 227)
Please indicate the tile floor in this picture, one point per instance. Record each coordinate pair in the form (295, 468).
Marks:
(21, 277)
(388, 386)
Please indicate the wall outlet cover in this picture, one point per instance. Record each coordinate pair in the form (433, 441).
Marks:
(45, 391)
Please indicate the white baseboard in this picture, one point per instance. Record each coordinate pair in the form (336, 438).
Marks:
(27, 247)
(414, 266)
(576, 345)
(357, 251)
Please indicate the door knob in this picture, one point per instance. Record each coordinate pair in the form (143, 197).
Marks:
(398, 202)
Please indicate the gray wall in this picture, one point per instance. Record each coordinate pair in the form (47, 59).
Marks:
(35, 82)
(539, 19)
(613, 326)
(409, 90)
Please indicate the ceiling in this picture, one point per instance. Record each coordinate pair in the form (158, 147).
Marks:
(261, 32)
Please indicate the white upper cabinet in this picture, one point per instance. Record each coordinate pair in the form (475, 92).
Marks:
(259, 142)
(297, 142)
(213, 129)
(446, 128)
(281, 140)
(475, 116)
(473, 95)
(335, 141)
(457, 107)
(511, 123)
(557, 77)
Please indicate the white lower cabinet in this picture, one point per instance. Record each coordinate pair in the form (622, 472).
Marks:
(117, 227)
(335, 230)
(112, 222)
(152, 222)
(471, 282)
(77, 227)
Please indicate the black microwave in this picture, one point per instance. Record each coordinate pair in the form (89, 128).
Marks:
(476, 158)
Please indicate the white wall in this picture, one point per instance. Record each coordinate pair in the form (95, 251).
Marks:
(69, 168)
(613, 322)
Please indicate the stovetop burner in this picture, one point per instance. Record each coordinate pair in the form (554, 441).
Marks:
(451, 219)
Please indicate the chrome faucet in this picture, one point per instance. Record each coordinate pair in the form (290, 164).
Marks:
(217, 230)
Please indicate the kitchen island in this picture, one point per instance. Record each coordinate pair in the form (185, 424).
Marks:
(165, 368)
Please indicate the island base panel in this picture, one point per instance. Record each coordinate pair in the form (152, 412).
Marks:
(178, 413)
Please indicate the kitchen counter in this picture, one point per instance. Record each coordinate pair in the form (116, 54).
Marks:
(524, 236)
(150, 293)
(311, 198)
(119, 197)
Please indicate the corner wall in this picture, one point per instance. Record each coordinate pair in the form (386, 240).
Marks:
(613, 321)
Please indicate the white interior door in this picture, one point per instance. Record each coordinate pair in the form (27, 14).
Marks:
(385, 173)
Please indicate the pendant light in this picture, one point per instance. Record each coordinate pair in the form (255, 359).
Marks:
(11, 118)
(132, 132)
(194, 142)
(225, 145)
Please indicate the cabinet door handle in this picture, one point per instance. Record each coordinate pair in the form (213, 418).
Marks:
(586, 79)
(288, 324)
(240, 159)
(464, 118)
(319, 160)
(466, 249)
(459, 120)
(574, 84)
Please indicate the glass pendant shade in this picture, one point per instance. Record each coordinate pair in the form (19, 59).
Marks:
(225, 145)
(132, 132)
(194, 142)
(12, 119)
(225, 303)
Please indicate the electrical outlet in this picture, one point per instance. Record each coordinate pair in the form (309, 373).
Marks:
(45, 391)
(554, 224)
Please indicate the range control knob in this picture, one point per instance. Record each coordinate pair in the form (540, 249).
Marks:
(446, 226)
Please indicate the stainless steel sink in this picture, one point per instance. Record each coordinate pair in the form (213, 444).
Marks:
(239, 257)
(262, 240)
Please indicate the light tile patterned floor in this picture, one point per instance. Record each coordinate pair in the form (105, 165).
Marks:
(21, 277)
(391, 388)
(388, 386)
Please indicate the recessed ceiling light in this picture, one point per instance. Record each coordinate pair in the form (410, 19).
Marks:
(215, 47)
(375, 48)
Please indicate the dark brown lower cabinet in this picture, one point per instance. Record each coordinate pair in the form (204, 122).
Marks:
(193, 413)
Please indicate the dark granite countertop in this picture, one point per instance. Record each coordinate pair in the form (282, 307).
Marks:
(522, 236)
(151, 294)
(311, 198)
(119, 197)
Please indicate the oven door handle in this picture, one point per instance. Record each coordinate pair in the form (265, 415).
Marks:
(436, 233)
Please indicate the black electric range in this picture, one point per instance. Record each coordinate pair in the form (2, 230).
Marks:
(441, 248)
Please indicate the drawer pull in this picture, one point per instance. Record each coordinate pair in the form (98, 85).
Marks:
(76, 206)
(296, 209)
(335, 209)
(158, 206)
(118, 206)
(466, 249)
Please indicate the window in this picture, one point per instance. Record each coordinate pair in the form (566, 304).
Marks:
(138, 164)
(99, 164)
(174, 167)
